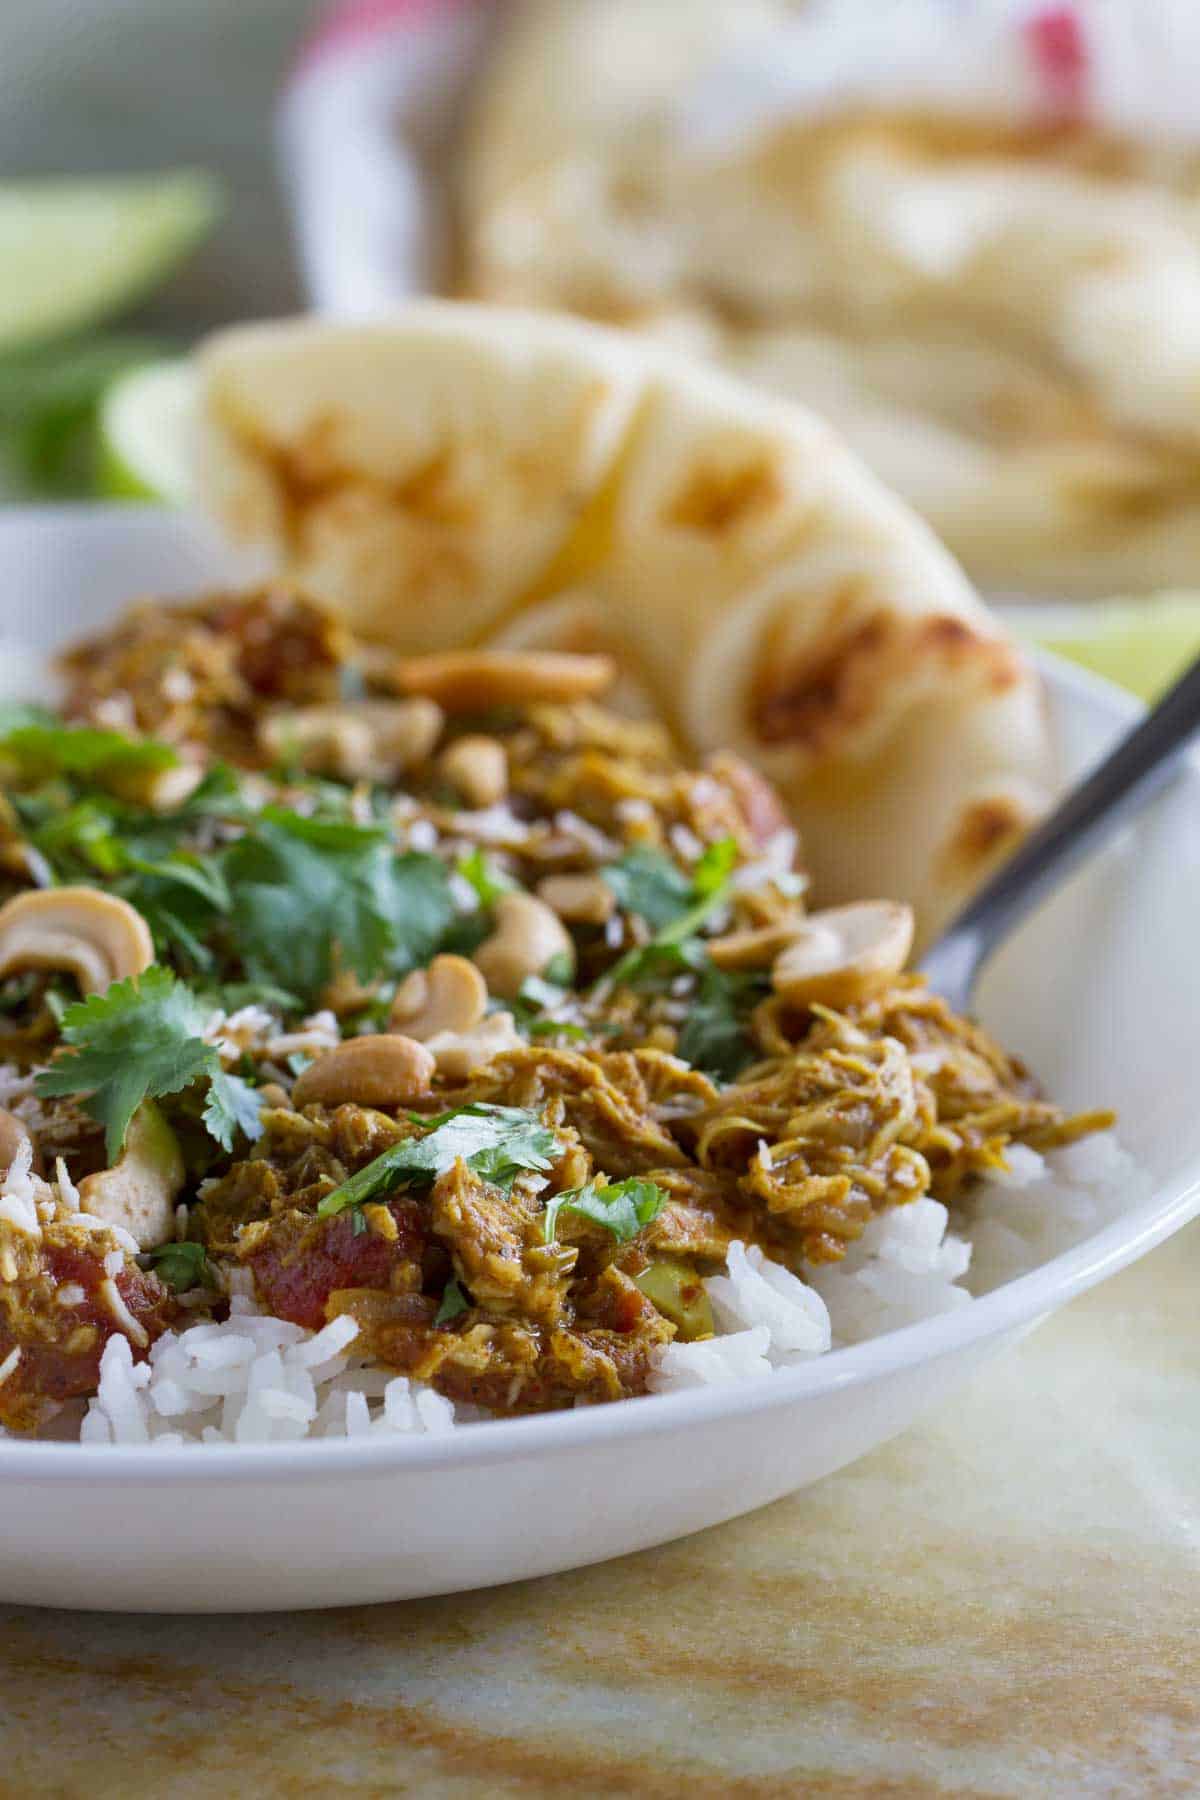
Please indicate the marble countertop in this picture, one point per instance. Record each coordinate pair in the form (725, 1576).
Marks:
(1003, 1602)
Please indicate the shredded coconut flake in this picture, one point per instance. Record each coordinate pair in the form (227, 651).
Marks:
(110, 1293)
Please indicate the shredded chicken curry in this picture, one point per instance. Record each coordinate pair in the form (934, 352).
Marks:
(433, 992)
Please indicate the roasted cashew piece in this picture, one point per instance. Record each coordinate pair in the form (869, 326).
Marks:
(370, 1071)
(474, 680)
(583, 899)
(95, 936)
(458, 1053)
(13, 1134)
(527, 937)
(162, 790)
(139, 1191)
(478, 768)
(450, 995)
(758, 948)
(355, 741)
(844, 954)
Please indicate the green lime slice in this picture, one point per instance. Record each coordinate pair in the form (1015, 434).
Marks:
(75, 251)
(147, 425)
(1143, 645)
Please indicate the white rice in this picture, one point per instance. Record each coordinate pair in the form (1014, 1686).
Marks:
(254, 1380)
(258, 1379)
(907, 1266)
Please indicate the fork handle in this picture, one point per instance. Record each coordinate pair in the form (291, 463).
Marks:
(1142, 764)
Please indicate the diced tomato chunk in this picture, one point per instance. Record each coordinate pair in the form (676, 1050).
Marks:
(299, 1266)
(61, 1346)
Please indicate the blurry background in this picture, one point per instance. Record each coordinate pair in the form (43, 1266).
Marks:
(93, 86)
(1058, 460)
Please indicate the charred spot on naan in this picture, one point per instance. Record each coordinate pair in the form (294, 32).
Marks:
(987, 829)
(718, 501)
(821, 698)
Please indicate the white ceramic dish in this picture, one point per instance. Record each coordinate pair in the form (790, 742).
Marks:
(1101, 992)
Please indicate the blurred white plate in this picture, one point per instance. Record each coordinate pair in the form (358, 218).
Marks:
(1101, 993)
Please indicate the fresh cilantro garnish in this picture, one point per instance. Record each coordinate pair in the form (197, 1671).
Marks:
(454, 1302)
(139, 1040)
(622, 1207)
(42, 748)
(716, 864)
(497, 1142)
(656, 963)
(486, 876)
(559, 970)
(714, 1037)
(648, 884)
(302, 886)
(676, 921)
(533, 1009)
(232, 1106)
(181, 898)
(182, 1266)
(73, 837)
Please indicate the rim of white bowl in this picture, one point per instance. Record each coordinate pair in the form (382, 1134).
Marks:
(1030, 1297)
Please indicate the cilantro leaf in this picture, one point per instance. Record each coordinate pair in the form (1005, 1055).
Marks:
(714, 1036)
(532, 1009)
(497, 1142)
(301, 886)
(232, 1106)
(716, 864)
(41, 749)
(707, 891)
(74, 837)
(138, 1040)
(622, 1207)
(454, 1302)
(486, 876)
(180, 897)
(655, 964)
(182, 1266)
(647, 883)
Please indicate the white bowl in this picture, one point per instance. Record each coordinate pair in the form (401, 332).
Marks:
(1101, 992)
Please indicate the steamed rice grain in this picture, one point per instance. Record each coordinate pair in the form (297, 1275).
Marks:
(255, 1379)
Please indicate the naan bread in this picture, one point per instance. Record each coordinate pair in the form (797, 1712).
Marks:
(420, 479)
(1042, 287)
(465, 476)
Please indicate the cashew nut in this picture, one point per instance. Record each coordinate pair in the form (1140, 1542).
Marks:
(13, 1133)
(758, 948)
(450, 995)
(372, 738)
(162, 790)
(844, 954)
(371, 1071)
(583, 899)
(140, 1190)
(474, 680)
(459, 1053)
(478, 768)
(95, 936)
(527, 937)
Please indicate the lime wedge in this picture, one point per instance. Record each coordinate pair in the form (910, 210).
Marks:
(1140, 644)
(75, 251)
(147, 424)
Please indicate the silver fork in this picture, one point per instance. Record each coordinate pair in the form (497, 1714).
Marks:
(1140, 767)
